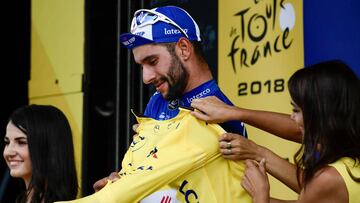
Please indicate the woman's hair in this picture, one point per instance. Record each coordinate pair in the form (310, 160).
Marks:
(51, 152)
(328, 95)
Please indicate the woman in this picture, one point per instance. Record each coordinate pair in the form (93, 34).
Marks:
(39, 150)
(325, 99)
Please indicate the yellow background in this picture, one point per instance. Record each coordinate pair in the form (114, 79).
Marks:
(57, 61)
(277, 66)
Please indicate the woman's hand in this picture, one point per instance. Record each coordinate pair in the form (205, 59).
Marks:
(212, 110)
(236, 147)
(256, 182)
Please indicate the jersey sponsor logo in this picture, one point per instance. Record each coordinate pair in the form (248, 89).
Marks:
(189, 194)
(200, 95)
(163, 116)
(173, 104)
(162, 196)
(166, 199)
(173, 31)
(129, 41)
(139, 33)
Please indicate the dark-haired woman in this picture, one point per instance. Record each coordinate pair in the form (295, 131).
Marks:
(326, 100)
(39, 150)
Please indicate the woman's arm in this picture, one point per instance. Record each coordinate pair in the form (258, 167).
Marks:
(327, 185)
(242, 149)
(273, 200)
(213, 110)
(281, 169)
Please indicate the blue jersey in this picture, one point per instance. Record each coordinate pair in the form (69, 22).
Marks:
(160, 109)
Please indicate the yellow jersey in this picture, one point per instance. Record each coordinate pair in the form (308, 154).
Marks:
(175, 160)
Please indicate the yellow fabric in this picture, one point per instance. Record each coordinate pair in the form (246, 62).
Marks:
(180, 155)
(353, 187)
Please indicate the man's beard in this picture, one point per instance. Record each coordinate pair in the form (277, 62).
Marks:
(177, 79)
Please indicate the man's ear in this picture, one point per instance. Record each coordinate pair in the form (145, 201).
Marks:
(184, 48)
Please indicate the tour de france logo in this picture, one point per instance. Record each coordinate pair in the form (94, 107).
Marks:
(250, 40)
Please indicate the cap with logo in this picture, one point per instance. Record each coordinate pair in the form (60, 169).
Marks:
(160, 25)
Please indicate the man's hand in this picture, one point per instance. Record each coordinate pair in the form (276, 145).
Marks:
(98, 185)
(134, 128)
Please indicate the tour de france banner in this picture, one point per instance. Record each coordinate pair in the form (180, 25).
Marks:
(260, 47)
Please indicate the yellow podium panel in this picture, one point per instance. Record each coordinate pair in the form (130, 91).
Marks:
(260, 46)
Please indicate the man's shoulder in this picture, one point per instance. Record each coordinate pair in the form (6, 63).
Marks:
(219, 94)
(209, 88)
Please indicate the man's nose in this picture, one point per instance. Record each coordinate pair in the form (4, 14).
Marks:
(148, 75)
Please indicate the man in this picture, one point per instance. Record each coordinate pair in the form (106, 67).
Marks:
(166, 43)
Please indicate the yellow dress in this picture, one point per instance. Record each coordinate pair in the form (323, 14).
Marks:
(352, 186)
(176, 160)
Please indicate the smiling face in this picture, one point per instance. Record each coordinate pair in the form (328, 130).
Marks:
(163, 69)
(16, 153)
(297, 116)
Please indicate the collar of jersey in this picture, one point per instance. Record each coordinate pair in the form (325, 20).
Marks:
(182, 112)
(210, 85)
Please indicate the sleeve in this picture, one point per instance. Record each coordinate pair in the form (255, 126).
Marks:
(180, 153)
